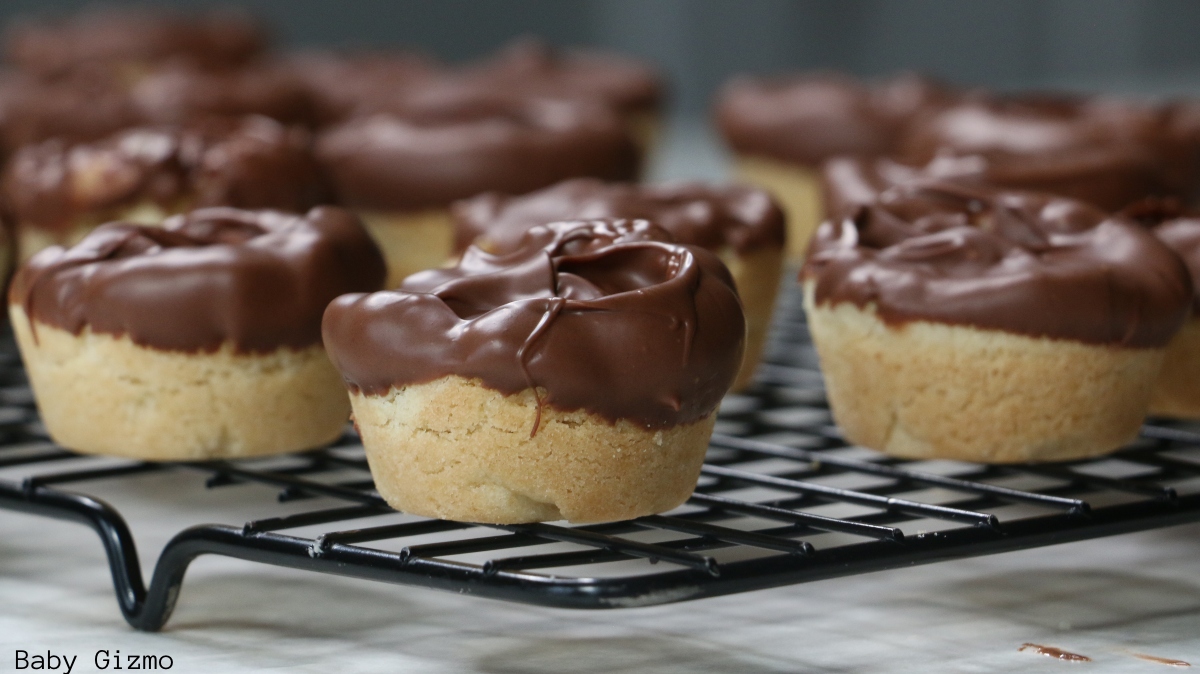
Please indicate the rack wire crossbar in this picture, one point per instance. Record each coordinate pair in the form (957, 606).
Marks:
(781, 500)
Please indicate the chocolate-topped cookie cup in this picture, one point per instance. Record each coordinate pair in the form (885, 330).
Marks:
(77, 108)
(401, 169)
(632, 88)
(744, 226)
(1177, 393)
(782, 129)
(200, 339)
(990, 326)
(128, 41)
(576, 377)
(58, 191)
(1109, 153)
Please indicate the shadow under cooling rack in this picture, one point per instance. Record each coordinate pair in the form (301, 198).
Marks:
(781, 500)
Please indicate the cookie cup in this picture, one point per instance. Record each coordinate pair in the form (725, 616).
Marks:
(1177, 392)
(756, 275)
(411, 242)
(646, 128)
(927, 390)
(32, 238)
(455, 449)
(798, 190)
(100, 394)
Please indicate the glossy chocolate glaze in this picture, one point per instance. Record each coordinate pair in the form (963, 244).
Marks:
(849, 182)
(806, 119)
(589, 314)
(1183, 132)
(1023, 263)
(1107, 152)
(259, 280)
(451, 143)
(534, 66)
(179, 93)
(344, 84)
(134, 37)
(252, 162)
(743, 218)
(76, 108)
(1176, 227)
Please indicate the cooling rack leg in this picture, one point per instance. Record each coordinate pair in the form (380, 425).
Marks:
(105, 521)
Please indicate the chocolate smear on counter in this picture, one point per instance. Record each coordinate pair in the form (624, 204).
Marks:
(1052, 652)
(1170, 662)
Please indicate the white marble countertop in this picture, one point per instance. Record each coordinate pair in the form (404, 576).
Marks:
(1106, 599)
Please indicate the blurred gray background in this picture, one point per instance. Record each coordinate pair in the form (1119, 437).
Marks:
(1140, 46)
(1143, 47)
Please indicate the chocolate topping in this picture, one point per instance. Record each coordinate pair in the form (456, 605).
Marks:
(78, 108)
(452, 143)
(533, 66)
(1183, 134)
(248, 163)
(712, 217)
(216, 39)
(1176, 227)
(1106, 152)
(808, 118)
(259, 280)
(1018, 262)
(585, 314)
(850, 182)
(179, 93)
(342, 85)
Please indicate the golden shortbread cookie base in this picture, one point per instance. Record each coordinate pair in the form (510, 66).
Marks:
(756, 275)
(798, 190)
(646, 129)
(31, 238)
(1177, 392)
(455, 449)
(100, 394)
(927, 390)
(411, 242)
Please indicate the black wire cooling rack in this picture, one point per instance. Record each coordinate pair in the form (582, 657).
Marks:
(782, 500)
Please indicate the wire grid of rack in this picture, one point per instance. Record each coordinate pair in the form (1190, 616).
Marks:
(781, 500)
